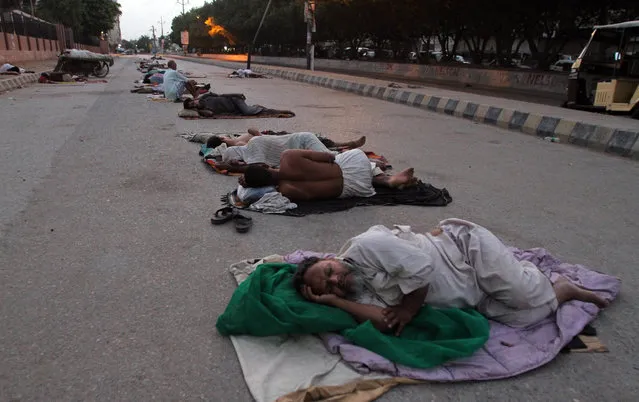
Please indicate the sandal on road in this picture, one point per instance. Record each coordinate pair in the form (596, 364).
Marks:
(223, 215)
(242, 223)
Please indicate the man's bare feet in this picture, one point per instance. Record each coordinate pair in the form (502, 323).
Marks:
(359, 142)
(566, 291)
(402, 179)
(351, 144)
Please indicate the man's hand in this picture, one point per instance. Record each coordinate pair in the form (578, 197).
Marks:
(397, 316)
(327, 299)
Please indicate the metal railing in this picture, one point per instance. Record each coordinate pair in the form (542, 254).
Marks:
(16, 22)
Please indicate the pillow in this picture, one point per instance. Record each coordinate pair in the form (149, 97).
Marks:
(188, 113)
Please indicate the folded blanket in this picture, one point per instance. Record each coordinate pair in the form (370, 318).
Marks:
(425, 195)
(267, 304)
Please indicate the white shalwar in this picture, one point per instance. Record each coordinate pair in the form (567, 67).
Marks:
(268, 148)
(357, 174)
(466, 266)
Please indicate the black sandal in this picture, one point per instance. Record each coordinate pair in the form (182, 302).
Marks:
(223, 215)
(242, 223)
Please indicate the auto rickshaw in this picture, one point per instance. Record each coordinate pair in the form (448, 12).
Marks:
(605, 76)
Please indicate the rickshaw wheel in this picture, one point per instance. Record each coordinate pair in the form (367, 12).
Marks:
(101, 70)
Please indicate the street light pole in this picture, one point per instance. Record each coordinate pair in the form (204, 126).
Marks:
(153, 45)
(183, 3)
(248, 57)
(310, 28)
(161, 22)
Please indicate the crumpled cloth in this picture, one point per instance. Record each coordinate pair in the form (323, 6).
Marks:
(272, 203)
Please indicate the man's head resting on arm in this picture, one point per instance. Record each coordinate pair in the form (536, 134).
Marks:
(189, 103)
(258, 176)
(327, 276)
(214, 141)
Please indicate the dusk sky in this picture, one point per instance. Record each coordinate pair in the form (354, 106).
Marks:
(139, 15)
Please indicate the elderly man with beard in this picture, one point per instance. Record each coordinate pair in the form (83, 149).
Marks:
(386, 276)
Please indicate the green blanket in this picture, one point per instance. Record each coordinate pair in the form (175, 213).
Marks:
(266, 304)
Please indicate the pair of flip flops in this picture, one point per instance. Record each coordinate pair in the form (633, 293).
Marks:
(242, 223)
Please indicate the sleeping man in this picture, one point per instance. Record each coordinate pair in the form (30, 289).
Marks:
(210, 104)
(266, 150)
(217, 140)
(385, 276)
(305, 175)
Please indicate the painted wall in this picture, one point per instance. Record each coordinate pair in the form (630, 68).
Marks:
(540, 81)
(17, 48)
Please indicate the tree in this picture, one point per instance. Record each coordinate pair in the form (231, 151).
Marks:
(10, 4)
(495, 26)
(85, 17)
(128, 44)
(144, 43)
(99, 16)
(67, 12)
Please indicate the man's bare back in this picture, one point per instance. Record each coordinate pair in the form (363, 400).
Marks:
(306, 175)
(309, 175)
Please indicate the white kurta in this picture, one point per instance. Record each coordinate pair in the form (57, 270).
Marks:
(357, 174)
(269, 148)
(466, 266)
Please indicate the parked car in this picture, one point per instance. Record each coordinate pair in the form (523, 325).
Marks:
(561, 65)
(412, 56)
(460, 59)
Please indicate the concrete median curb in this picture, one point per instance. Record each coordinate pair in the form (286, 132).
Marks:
(599, 138)
(18, 81)
(610, 140)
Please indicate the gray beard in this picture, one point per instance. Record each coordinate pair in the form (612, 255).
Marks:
(357, 281)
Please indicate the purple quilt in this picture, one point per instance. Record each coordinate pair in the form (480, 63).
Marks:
(509, 351)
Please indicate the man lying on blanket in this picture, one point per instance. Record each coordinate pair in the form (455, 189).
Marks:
(254, 148)
(386, 275)
(306, 175)
(217, 140)
(210, 104)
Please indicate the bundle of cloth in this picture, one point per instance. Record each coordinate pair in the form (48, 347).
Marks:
(245, 73)
(10, 69)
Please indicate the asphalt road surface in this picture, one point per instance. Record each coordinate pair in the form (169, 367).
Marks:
(112, 276)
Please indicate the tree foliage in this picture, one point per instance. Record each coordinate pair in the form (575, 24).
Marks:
(143, 43)
(86, 17)
(399, 26)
